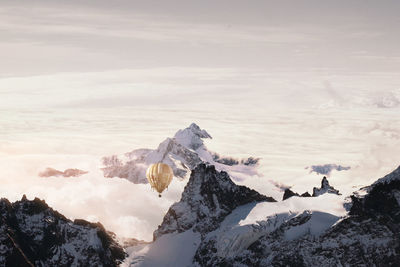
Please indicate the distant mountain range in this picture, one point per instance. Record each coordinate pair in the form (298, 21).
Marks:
(183, 153)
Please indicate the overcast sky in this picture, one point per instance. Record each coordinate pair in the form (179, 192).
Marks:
(112, 53)
(40, 37)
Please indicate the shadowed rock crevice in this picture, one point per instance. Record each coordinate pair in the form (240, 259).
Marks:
(207, 199)
(369, 236)
(31, 233)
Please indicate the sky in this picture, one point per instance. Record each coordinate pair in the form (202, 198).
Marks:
(296, 83)
(77, 53)
(47, 37)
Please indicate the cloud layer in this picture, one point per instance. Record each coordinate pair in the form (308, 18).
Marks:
(285, 142)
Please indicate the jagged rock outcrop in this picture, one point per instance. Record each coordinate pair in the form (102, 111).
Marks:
(305, 194)
(207, 199)
(49, 172)
(325, 188)
(288, 194)
(182, 153)
(368, 236)
(33, 234)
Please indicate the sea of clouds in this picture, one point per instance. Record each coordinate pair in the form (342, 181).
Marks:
(313, 124)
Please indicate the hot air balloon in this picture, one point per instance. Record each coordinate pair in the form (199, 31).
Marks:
(159, 176)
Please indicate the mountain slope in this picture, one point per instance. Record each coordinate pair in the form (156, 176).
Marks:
(314, 231)
(368, 236)
(207, 199)
(33, 234)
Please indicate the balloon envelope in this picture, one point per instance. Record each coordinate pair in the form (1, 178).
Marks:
(159, 176)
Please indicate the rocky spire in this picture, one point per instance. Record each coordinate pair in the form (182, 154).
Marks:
(289, 193)
(207, 199)
(325, 188)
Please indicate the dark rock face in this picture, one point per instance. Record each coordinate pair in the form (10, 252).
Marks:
(288, 194)
(306, 194)
(383, 199)
(368, 236)
(207, 199)
(33, 234)
(325, 188)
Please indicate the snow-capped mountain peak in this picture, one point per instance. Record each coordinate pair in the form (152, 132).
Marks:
(208, 197)
(182, 153)
(191, 137)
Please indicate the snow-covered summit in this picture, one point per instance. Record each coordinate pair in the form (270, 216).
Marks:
(191, 137)
(183, 153)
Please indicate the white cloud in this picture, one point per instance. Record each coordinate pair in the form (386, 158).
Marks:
(285, 140)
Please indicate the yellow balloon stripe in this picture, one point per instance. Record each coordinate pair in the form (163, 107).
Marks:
(159, 176)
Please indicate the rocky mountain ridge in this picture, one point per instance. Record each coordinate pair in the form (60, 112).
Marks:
(207, 199)
(325, 188)
(367, 235)
(33, 234)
